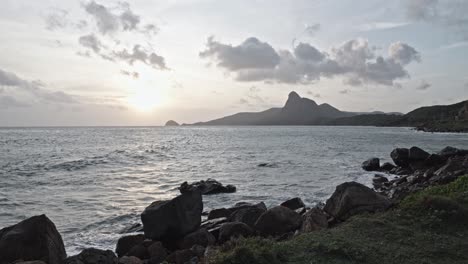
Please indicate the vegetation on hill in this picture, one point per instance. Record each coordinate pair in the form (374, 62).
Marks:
(426, 227)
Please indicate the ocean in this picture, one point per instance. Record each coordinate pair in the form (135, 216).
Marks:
(93, 182)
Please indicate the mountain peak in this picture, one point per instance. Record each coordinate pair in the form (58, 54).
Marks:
(293, 96)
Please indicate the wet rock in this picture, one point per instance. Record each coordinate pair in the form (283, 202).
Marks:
(372, 164)
(247, 215)
(294, 203)
(182, 257)
(130, 260)
(378, 181)
(209, 186)
(35, 238)
(387, 166)
(157, 253)
(212, 223)
(200, 237)
(351, 198)
(313, 220)
(173, 219)
(93, 256)
(277, 221)
(400, 157)
(417, 154)
(234, 230)
(124, 244)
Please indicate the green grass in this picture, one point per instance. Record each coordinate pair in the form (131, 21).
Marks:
(427, 227)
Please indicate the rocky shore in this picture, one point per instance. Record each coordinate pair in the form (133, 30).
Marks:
(179, 231)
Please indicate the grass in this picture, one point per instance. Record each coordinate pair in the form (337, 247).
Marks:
(427, 227)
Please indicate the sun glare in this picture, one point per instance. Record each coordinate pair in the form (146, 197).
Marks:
(145, 100)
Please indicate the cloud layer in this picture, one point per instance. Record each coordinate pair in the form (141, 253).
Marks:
(355, 60)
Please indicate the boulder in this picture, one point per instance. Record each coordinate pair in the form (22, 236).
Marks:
(277, 221)
(173, 219)
(226, 212)
(35, 238)
(234, 230)
(124, 244)
(130, 260)
(198, 250)
(247, 215)
(140, 251)
(448, 152)
(417, 154)
(294, 203)
(387, 166)
(313, 220)
(378, 181)
(372, 164)
(455, 166)
(182, 257)
(400, 156)
(208, 224)
(157, 252)
(31, 262)
(351, 198)
(435, 160)
(209, 186)
(200, 237)
(93, 256)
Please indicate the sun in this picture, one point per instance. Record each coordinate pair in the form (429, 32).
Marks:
(145, 100)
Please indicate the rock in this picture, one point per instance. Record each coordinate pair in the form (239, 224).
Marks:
(171, 123)
(182, 257)
(372, 164)
(208, 224)
(234, 230)
(137, 227)
(140, 251)
(378, 181)
(200, 237)
(401, 171)
(173, 219)
(35, 238)
(198, 250)
(277, 221)
(351, 198)
(387, 166)
(455, 166)
(31, 262)
(417, 154)
(400, 156)
(157, 252)
(226, 212)
(448, 152)
(130, 260)
(124, 244)
(313, 220)
(435, 160)
(294, 203)
(209, 186)
(247, 215)
(93, 256)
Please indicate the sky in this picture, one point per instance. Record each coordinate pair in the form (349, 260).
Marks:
(143, 62)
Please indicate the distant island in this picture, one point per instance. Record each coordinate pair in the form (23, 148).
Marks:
(303, 111)
(171, 123)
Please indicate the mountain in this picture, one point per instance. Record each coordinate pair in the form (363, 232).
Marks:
(296, 111)
(437, 118)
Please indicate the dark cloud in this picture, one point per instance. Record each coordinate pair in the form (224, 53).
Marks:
(251, 54)
(423, 85)
(139, 54)
(35, 89)
(106, 21)
(447, 13)
(354, 60)
(92, 42)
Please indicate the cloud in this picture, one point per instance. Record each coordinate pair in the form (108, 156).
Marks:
(7, 101)
(381, 26)
(311, 30)
(250, 54)
(106, 22)
(423, 85)
(447, 13)
(139, 54)
(345, 91)
(56, 19)
(134, 75)
(92, 42)
(35, 89)
(354, 60)
(316, 95)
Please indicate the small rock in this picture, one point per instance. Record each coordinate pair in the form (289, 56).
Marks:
(157, 252)
(247, 215)
(181, 256)
(139, 251)
(372, 164)
(277, 221)
(294, 203)
(130, 260)
(234, 230)
(314, 219)
(93, 256)
(200, 237)
(209, 186)
(387, 166)
(198, 250)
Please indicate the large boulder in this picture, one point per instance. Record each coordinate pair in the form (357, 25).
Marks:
(448, 152)
(209, 186)
(400, 156)
(247, 215)
(93, 256)
(124, 244)
(313, 220)
(173, 219)
(417, 154)
(200, 237)
(294, 203)
(372, 164)
(226, 212)
(234, 230)
(387, 166)
(351, 198)
(277, 221)
(35, 238)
